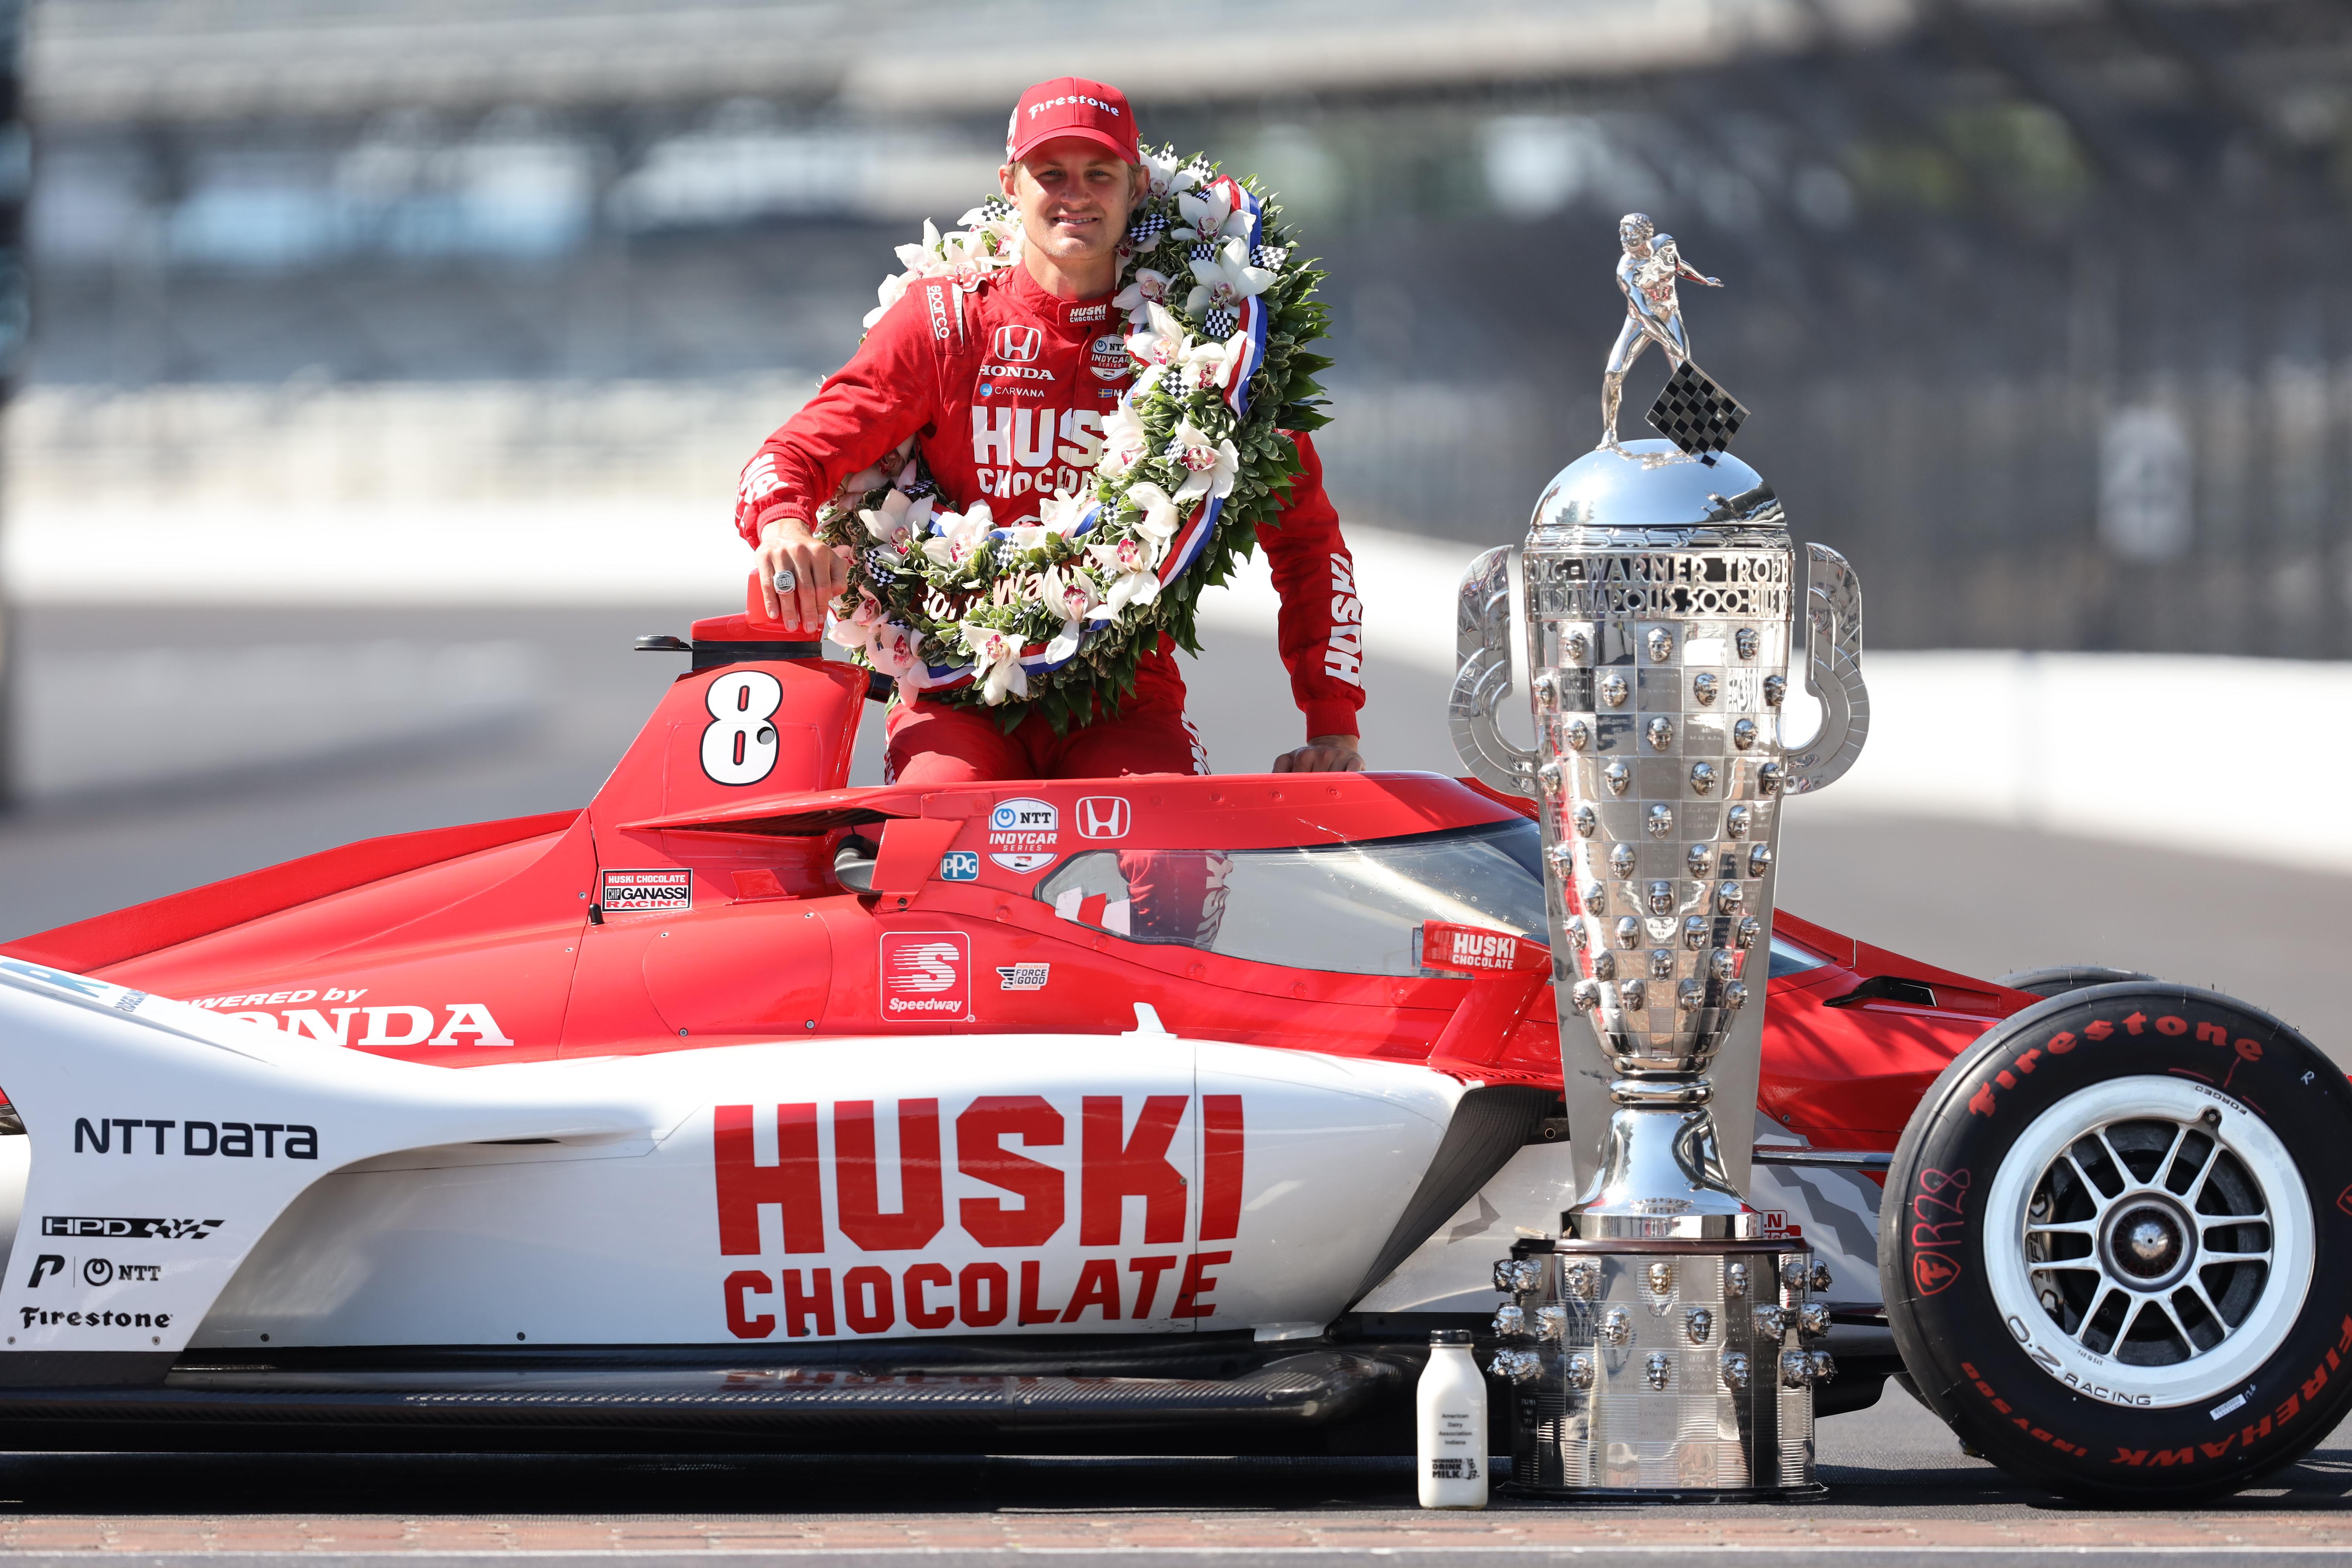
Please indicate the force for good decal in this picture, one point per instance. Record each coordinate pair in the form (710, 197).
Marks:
(666, 892)
(925, 975)
(1023, 976)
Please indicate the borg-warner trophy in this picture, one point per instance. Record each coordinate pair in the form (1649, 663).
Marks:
(1661, 1346)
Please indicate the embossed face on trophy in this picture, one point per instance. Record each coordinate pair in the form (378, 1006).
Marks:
(1659, 606)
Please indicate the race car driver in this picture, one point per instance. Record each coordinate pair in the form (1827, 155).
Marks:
(1004, 386)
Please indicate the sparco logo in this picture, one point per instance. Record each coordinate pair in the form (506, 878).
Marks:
(926, 974)
(117, 1227)
(1019, 345)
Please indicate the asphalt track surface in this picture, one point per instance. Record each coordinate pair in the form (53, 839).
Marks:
(1977, 899)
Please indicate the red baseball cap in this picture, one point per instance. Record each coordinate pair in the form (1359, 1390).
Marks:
(1072, 106)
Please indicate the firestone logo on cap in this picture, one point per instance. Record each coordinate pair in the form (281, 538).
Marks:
(1072, 106)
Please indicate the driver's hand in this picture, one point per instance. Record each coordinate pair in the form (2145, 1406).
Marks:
(788, 544)
(1323, 754)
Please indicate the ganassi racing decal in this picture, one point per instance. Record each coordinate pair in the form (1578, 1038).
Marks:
(1123, 1192)
(669, 891)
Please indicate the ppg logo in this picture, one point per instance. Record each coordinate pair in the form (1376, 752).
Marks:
(1019, 345)
(959, 865)
(1102, 816)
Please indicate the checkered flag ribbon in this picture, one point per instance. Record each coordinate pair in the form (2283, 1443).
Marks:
(1696, 414)
(1269, 254)
(1219, 323)
(994, 208)
(1148, 227)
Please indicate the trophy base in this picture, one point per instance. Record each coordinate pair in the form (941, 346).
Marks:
(1666, 1369)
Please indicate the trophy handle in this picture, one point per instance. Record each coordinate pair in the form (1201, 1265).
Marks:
(1832, 674)
(1482, 677)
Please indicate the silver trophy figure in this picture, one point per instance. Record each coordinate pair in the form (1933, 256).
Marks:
(1662, 1344)
(1646, 275)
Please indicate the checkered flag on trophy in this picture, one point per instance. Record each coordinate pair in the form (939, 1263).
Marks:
(1696, 414)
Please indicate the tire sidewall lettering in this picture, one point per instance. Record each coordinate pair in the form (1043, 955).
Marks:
(1980, 1367)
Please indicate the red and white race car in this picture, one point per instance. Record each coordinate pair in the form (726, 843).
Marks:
(1148, 1112)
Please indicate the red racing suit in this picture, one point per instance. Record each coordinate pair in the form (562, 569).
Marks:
(1004, 387)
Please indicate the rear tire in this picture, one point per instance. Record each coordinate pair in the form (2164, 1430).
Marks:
(2065, 977)
(2119, 1255)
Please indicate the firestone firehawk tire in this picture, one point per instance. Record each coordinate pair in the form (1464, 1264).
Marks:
(2117, 1244)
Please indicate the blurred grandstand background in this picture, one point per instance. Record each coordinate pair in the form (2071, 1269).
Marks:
(2041, 305)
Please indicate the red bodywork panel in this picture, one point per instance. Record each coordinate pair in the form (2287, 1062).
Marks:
(693, 903)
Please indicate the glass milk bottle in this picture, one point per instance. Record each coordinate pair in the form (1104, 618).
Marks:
(1450, 1425)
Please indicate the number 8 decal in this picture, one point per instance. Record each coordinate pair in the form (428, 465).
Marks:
(740, 747)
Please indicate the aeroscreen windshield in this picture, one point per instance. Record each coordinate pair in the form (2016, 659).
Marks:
(1344, 909)
(1347, 908)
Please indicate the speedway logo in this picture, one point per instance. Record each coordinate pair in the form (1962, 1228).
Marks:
(117, 1227)
(664, 893)
(233, 1139)
(925, 975)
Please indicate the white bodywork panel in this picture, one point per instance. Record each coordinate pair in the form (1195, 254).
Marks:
(587, 1202)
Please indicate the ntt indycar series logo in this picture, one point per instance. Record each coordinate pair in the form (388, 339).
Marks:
(927, 975)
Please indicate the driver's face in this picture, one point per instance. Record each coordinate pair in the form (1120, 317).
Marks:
(1074, 198)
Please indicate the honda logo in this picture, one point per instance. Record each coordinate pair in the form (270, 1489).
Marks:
(1019, 345)
(1102, 816)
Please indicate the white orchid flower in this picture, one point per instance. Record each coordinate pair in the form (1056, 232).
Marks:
(1069, 595)
(956, 540)
(1149, 289)
(1161, 341)
(996, 657)
(1225, 280)
(1061, 512)
(1124, 442)
(855, 635)
(892, 649)
(1211, 465)
(919, 259)
(887, 523)
(892, 290)
(1066, 641)
(1211, 213)
(1160, 516)
(1133, 580)
(1209, 364)
(1169, 173)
